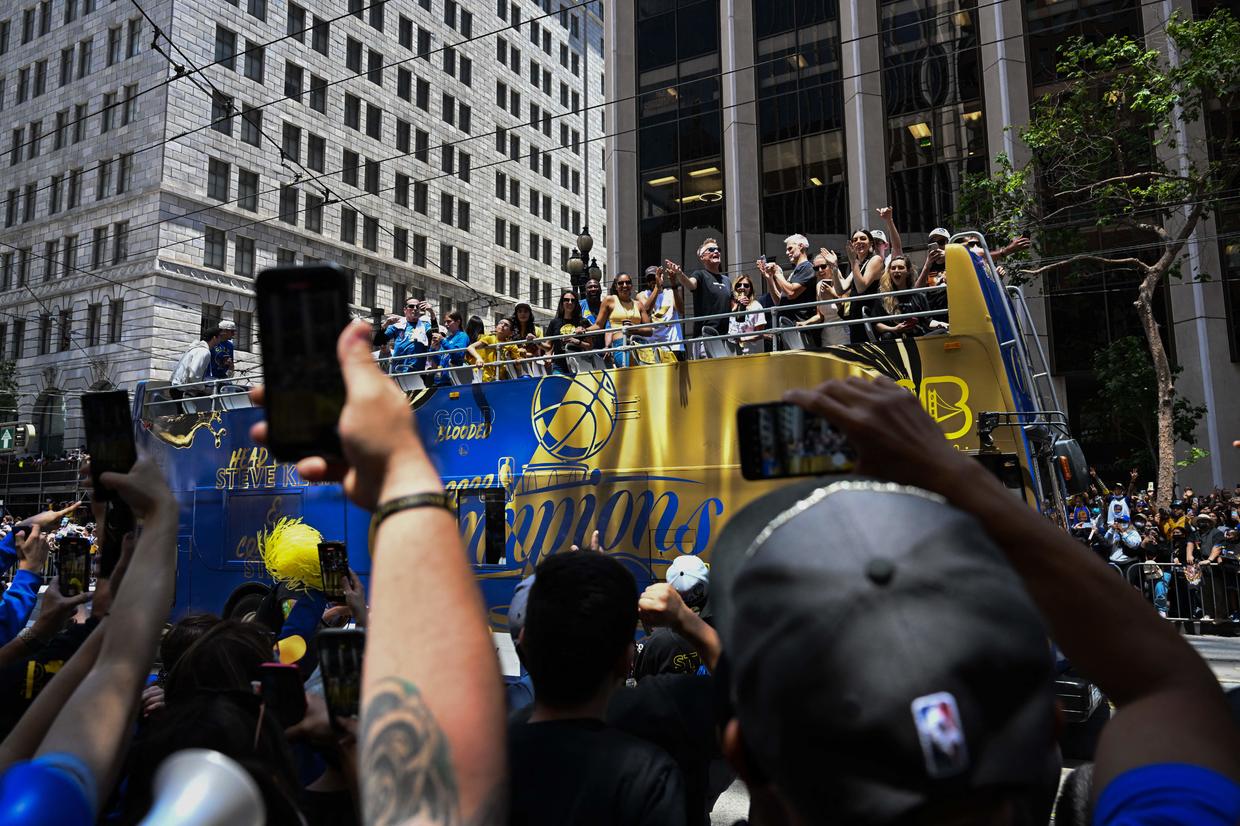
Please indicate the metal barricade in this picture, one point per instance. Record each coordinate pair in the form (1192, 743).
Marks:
(1208, 593)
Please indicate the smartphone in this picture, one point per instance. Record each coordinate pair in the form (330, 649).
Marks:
(340, 663)
(109, 436)
(73, 562)
(762, 259)
(1149, 488)
(302, 311)
(334, 567)
(779, 440)
(282, 691)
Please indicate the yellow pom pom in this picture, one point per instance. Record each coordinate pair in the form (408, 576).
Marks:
(290, 550)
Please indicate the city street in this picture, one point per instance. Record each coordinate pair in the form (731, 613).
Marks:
(1223, 654)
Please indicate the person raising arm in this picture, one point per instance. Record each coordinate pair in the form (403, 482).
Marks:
(432, 715)
(1145, 770)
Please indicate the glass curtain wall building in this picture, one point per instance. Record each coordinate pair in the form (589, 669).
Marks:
(751, 120)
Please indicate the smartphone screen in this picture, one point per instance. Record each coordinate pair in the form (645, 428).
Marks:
(334, 567)
(73, 561)
(302, 311)
(283, 693)
(109, 436)
(779, 440)
(340, 661)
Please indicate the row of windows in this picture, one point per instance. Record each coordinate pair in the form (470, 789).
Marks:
(508, 281)
(75, 63)
(60, 256)
(13, 344)
(113, 176)
(117, 110)
(36, 21)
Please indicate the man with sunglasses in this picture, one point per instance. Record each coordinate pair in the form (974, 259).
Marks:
(411, 337)
(711, 288)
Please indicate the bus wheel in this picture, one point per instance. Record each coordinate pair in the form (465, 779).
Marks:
(245, 606)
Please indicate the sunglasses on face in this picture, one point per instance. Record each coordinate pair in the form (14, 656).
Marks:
(744, 287)
(821, 267)
(620, 284)
(567, 300)
(711, 249)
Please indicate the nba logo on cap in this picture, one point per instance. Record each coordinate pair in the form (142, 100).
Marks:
(941, 734)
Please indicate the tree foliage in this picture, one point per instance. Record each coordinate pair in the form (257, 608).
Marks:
(1122, 170)
(1125, 400)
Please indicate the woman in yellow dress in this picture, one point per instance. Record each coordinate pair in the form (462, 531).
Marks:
(620, 313)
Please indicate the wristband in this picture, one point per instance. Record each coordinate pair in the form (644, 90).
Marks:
(404, 503)
(31, 639)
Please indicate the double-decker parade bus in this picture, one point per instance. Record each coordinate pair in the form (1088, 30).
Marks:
(646, 455)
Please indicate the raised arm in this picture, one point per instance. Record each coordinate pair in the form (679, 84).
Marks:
(432, 723)
(686, 281)
(95, 721)
(661, 605)
(1106, 628)
(893, 234)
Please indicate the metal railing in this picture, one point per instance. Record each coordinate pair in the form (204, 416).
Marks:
(1208, 593)
(225, 394)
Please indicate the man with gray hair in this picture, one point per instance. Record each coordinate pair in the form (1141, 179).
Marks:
(799, 286)
(711, 288)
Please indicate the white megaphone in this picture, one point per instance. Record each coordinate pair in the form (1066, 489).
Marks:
(201, 787)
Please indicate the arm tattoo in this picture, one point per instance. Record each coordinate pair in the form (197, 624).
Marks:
(406, 769)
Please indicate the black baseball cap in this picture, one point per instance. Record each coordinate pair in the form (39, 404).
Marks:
(883, 656)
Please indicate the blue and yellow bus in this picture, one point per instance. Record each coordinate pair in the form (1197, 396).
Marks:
(646, 455)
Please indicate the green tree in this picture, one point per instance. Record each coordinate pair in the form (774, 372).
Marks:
(1124, 402)
(8, 391)
(1123, 147)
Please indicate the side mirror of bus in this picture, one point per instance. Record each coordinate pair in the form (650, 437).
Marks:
(1072, 466)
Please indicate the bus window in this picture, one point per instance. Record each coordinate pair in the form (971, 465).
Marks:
(484, 518)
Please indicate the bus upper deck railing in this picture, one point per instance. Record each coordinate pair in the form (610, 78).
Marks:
(225, 394)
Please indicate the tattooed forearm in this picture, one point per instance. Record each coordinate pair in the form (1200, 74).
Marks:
(406, 768)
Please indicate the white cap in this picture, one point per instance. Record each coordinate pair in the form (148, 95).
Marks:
(227, 325)
(937, 231)
(690, 576)
(878, 235)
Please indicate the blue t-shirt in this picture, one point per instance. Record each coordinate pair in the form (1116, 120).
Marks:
(457, 341)
(221, 360)
(409, 340)
(1169, 793)
(589, 315)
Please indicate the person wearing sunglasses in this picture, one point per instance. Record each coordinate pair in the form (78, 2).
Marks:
(711, 287)
(827, 271)
(749, 318)
(568, 321)
(798, 287)
(664, 303)
(620, 313)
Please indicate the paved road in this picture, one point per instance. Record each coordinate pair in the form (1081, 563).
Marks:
(1222, 653)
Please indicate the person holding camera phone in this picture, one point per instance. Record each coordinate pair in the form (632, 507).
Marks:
(411, 336)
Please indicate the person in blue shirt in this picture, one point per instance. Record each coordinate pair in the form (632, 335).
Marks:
(23, 592)
(411, 338)
(221, 365)
(593, 302)
(456, 340)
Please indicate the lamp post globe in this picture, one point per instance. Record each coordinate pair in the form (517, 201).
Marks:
(594, 271)
(584, 242)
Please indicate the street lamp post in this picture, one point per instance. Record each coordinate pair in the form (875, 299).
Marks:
(578, 271)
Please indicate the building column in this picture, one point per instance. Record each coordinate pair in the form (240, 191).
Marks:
(1005, 79)
(741, 147)
(864, 119)
(623, 196)
(1197, 301)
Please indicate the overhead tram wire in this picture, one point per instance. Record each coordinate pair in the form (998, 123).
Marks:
(484, 135)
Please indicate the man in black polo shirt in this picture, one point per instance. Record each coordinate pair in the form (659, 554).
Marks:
(711, 288)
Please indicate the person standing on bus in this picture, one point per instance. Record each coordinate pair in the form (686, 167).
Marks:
(411, 336)
(221, 366)
(797, 288)
(711, 287)
(592, 303)
(192, 369)
(664, 303)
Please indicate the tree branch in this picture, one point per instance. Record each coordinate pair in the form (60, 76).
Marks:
(1120, 179)
(1097, 259)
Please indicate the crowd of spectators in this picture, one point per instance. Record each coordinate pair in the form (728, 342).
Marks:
(1185, 557)
(863, 299)
(845, 673)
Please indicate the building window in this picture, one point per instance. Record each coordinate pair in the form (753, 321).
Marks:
(314, 213)
(247, 190)
(288, 204)
(215, 249)
(99, 248)
(257, 8)
(348, 225)
(244, 338)
(252, 126)
(294, 76)
(320, 35)
(45, 333)
(291, 142)
(350, 161)
(120, 242)
(94, 323)
(225, 48)
(318, 94)
(243, 260)
(116, 319)
(221, 113)
(218, 175)
(370, 237)
(296, 23)
(316, 152)
(65, 327)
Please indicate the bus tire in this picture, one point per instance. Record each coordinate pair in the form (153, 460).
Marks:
(244, 604)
